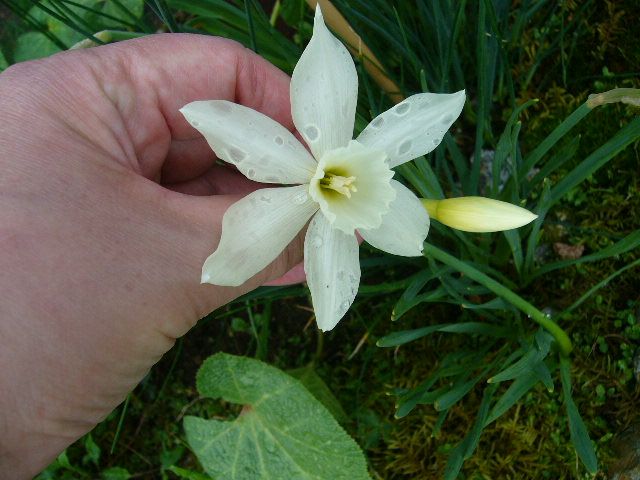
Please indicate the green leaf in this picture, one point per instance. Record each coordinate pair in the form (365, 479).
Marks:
(467, 446)
(316, 386)
(124, 10)
(282, 431)
(579, 434)
(32, 45)
(3, 62)
(405, 336)
(115, 473)
(188, 474)
(533, 356)
(93, 451)
(516, 390)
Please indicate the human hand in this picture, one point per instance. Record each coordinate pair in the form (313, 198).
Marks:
(109, 203)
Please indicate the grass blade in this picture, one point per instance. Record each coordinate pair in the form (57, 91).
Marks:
(579, 434)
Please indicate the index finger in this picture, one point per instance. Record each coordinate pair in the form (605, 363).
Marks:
(151, 78)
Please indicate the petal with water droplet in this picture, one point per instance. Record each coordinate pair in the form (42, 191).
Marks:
(324, 91)
(414, 127)
(255, 230)
(333, 270)
(261, 148)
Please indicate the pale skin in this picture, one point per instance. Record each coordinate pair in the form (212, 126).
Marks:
(109, 204)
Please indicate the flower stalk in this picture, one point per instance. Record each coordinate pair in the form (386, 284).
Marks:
(560, 336)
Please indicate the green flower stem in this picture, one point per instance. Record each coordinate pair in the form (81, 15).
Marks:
(564, 343)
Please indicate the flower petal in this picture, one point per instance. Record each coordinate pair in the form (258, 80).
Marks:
(255, 230)
(324, 91)
(404, 228)
(414, 127)
(333, 270)
(261, 148)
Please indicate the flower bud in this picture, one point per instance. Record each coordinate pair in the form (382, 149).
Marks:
(478, 214)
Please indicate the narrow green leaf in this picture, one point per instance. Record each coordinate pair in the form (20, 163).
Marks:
(599, 285)
(400, 338)
(627, 244)
(467, 446)
(187, 474)
(409, 400)
(556, 135)
(518, 388)
(536, 353)
(115, 473)
(564, 154)
(453, 395)
(625, 136)
(578, 430)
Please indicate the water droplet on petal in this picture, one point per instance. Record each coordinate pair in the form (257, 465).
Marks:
(377, 122)
(236, 155)
(251, 173)
(344, 306)
(222, 107)
(446, 120)
(311, 133)
(273, 179)
(300, 198)
(265, 198)
(195, 123)
(402, 108)
(404, 147)
(436, 141)
(279, 140)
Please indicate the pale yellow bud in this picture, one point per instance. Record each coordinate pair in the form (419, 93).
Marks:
(478, 214)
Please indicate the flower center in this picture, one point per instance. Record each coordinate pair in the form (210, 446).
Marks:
(352, 187)
(338, 183)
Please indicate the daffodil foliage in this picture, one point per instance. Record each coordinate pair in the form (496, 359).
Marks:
(340, 186)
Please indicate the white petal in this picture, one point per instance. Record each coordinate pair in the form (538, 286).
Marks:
(404, 228)
(414, 127)
(255, 230)
(261, 148)
(333, 270)
(324, 91)
(365, 207)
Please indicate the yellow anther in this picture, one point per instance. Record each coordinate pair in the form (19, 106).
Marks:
(340, 184)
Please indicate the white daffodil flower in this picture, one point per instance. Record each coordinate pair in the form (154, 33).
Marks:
(343, 185)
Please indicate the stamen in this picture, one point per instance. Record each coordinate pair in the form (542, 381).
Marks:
(340, 184)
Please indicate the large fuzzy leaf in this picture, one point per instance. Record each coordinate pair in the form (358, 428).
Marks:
(282, 431)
